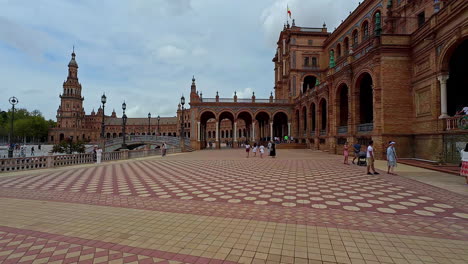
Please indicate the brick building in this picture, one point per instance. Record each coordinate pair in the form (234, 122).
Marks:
(392, 70)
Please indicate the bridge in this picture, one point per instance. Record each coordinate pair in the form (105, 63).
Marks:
(137, 141)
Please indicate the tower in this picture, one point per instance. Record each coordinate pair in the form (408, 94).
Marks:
(70, 114)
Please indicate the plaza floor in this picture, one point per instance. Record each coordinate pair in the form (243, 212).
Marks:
(220, 207)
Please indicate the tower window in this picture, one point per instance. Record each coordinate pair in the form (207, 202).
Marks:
(314, 62)
(421, 19)
(306, 61)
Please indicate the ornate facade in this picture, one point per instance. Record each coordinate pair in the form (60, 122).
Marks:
(393, 70)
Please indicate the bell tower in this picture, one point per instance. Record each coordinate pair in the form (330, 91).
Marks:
(70, 114)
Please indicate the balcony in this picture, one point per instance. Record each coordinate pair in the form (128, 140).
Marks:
(342, 129)
(367, 127)
(323, 132)
(457, 123)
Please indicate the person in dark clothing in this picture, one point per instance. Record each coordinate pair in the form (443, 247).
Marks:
(357, 149)
(273, 150)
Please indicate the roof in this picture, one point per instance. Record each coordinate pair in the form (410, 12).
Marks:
(141, 121)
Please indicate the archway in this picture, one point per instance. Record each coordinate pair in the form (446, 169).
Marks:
(226, 121)
(342, 108)
(313, 118)
(323, 117)
(366, 99)
(61, 137)
(263, 121)
(280, 125)
(247, 118)
(457, 83)
(205, 117)
(309, 83)
(304, 121)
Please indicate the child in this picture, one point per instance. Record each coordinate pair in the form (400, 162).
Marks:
(262, 150)
(247, 148)
(345, 153)
(255, 150)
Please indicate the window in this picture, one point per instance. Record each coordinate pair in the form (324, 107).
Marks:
(355, 38)
(346, 46)
(306, 61)
(421, 19)
(309, 42)
(314, 62)
(365, 30)
(338, 50)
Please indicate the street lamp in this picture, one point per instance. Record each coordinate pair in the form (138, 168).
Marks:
(182, 141)
(124, 122)
(158, 124)
(13, 101)
(149, 123)
(103, 101)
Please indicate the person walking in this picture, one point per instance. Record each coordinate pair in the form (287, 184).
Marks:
(247, 148)
(32, 151)
(357, 149)
(254, 150)
(269, 146)
(370, 158)
(95, 154)
(273, 150)
(464, 166)
(262, 150)
(391, 158)
(98, 155)
(345, 153)
(163, 149)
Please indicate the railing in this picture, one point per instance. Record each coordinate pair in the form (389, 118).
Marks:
(323, 132)
(342, 129)
(367, 127)
(39, 162)
(244, 100)
(457, 123)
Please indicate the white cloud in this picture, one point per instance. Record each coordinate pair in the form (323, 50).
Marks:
(169, 52)
(246, 93)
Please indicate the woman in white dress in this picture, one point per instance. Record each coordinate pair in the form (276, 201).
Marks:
(262, 150)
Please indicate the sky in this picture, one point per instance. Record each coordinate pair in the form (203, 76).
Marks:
(146, 51)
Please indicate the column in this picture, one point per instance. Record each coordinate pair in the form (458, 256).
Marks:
(289, 129)
(253, 131)
(217, 131)
(235, 131)
(271, 130)
(443, 95)
(199, 131)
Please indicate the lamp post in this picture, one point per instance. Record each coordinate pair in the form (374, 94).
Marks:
(103, 101)
(149, 123)
(13, 101)
(158, 124)
(124, 123)
(182, 140)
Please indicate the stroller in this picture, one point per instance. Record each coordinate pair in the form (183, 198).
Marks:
(362, 159)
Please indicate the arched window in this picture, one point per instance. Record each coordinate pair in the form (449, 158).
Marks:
(209, 134)
(338, 50)
(365, 30)
(355, 38)
(346, 46)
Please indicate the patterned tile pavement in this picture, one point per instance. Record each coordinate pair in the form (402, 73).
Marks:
(302, 188)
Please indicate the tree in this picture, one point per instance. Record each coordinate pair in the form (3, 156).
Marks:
(29, 126)
(69, 147)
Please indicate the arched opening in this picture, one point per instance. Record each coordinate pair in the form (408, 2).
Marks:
(61, 137)
(108, 135)
(280, 125)
(120, 134)
(304, 120)
(342, 108)
(313, 118)
(366, 102)
(246, 117)
(298, 122)
(114, 135)
(346, 46)
(323, 117)
(263, 121)
(226, 121)
(209, 134)
(355, 38)
(365, 30)
(457, 83)
(338, 50)
(309, 83)
(205, 118)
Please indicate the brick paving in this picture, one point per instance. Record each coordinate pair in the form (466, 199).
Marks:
(301, 188)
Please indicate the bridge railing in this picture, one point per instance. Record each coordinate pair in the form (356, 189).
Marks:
(41, 162)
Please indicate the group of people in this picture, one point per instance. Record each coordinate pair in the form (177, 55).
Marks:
(260, 148)
(370, 157)
(97, 154)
